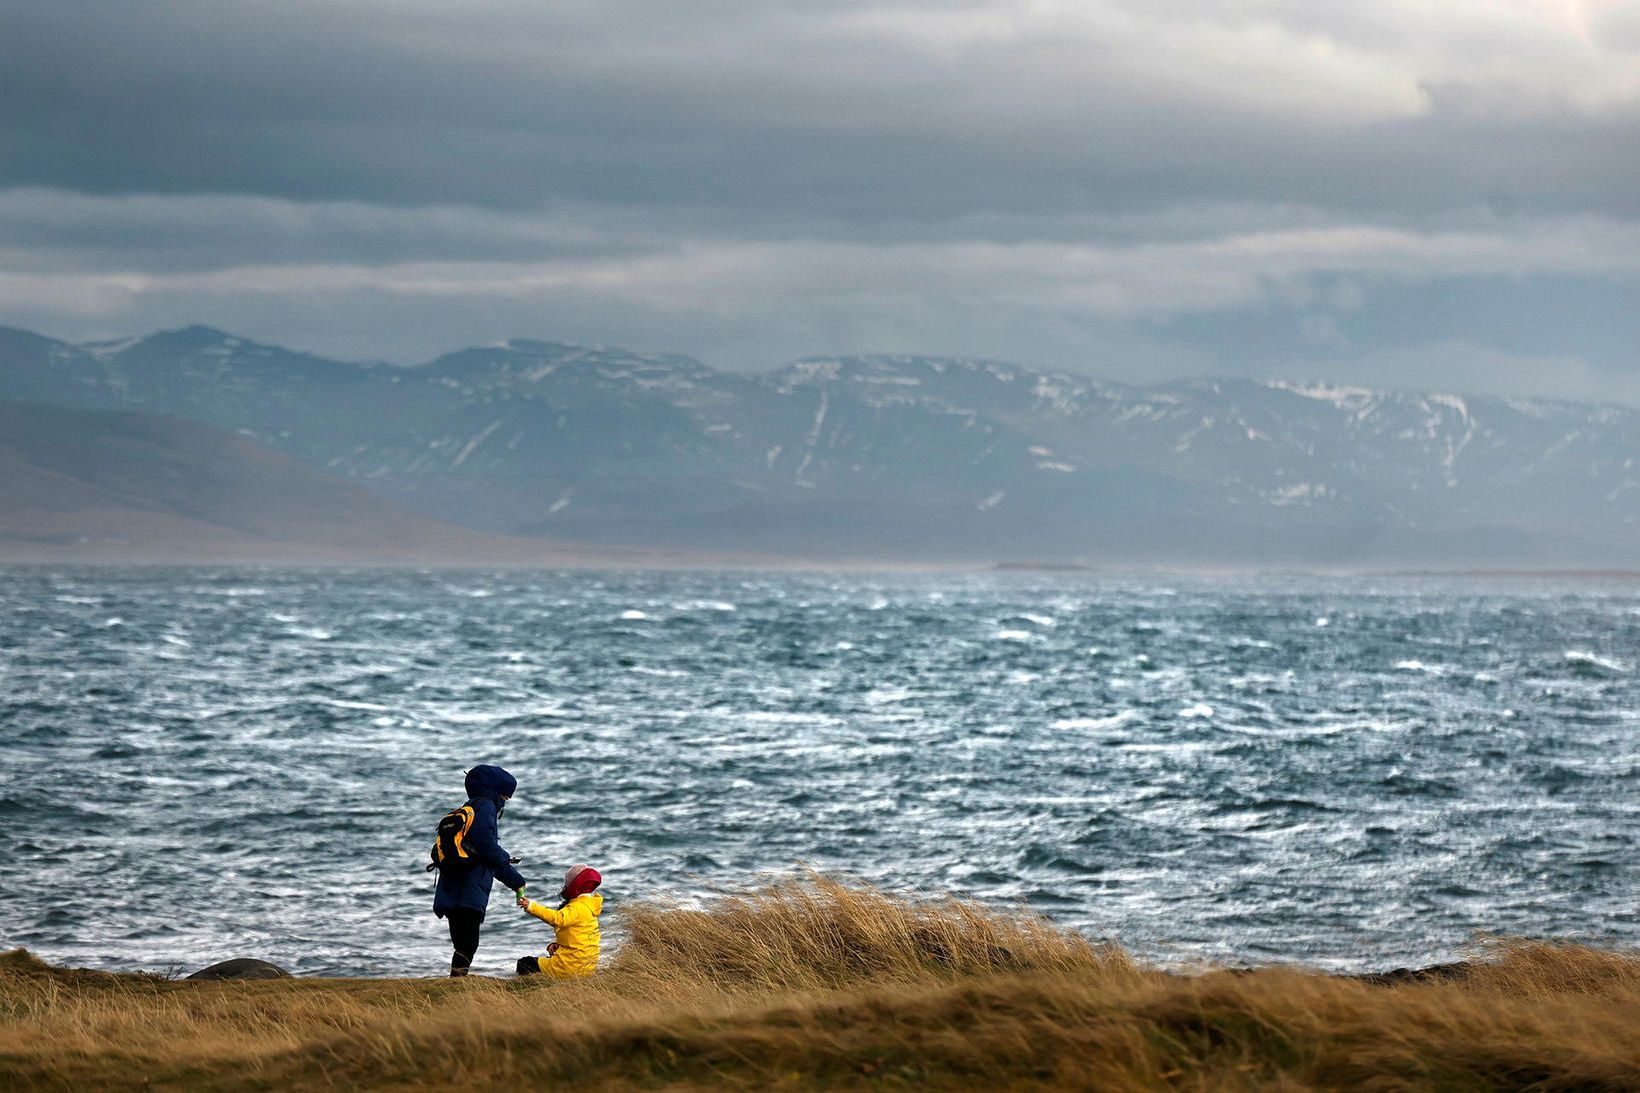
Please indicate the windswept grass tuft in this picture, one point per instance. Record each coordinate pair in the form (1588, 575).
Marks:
(818, 983)
(821, 933)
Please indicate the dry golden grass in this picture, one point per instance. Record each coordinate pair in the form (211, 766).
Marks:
(823, 984)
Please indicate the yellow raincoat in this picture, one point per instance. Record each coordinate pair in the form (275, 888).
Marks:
(578, 936)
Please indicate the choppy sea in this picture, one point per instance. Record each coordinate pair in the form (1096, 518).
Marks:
(1351, 773)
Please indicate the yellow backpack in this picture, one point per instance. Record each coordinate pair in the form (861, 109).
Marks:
(449, 848)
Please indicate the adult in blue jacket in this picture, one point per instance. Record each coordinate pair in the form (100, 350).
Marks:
(463, 895)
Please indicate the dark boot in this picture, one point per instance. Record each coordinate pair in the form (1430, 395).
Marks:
(459, 963)
(528, 965)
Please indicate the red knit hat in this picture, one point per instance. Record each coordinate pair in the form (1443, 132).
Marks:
(579, 880)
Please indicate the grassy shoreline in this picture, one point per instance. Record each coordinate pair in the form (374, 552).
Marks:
(821, 984)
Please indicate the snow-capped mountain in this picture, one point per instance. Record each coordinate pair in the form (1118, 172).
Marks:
(898, 456)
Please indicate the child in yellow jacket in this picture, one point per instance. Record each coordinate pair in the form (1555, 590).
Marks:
(575, 953)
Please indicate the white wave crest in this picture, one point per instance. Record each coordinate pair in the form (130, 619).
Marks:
(349, 704)
(1594, 660)
(1115, 720)
(777, 717)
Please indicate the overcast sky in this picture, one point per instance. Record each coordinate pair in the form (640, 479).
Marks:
(1388, 192)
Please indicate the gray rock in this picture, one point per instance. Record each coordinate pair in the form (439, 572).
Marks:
(242, 968)
(1434, 973)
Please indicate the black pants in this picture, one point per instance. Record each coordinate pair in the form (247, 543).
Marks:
(464, 924)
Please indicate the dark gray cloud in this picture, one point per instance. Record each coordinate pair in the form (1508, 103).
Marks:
(842, 110)
(1137, 188)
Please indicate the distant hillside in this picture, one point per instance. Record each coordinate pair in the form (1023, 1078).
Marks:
(898, 457)
(121, 484)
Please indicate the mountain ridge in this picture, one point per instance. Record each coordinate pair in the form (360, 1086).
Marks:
(589, 353)
(897, 455)
(99, 485)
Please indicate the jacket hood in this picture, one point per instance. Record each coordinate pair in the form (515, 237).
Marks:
(491, 783)
(581, 879)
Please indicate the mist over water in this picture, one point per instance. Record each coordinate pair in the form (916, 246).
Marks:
(205, 763)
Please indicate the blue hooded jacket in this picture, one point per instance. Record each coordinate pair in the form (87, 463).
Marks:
(487, 790)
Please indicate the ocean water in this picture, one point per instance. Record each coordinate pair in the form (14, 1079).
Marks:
(1348, 773)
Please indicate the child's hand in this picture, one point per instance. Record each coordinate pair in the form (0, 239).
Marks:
(523, 901)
